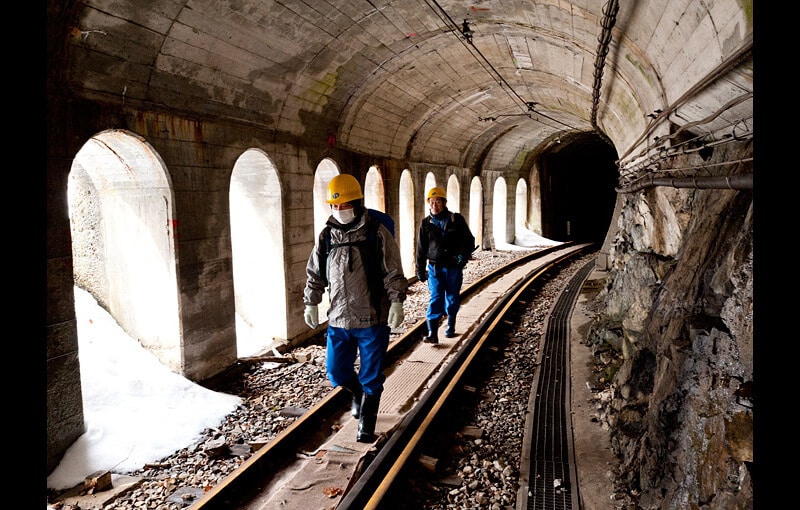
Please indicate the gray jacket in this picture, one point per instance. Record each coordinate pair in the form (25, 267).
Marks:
(347, 279)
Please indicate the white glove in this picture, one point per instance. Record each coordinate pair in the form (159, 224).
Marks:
(310, 316)
(396, 315)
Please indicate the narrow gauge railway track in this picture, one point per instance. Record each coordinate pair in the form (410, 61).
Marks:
(363, 483)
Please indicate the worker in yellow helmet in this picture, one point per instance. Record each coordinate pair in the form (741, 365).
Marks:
(444, 245)
(357, 260)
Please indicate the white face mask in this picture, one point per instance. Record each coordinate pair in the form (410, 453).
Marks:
(344, 216)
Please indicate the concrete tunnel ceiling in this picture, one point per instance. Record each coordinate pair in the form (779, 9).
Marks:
(398, 79)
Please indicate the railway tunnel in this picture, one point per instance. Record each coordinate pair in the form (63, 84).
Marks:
(580, 175)
(629, 124)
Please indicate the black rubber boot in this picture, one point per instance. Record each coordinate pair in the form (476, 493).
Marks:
(450, 332)
(369, 416)
(433, 332)
(355, 389)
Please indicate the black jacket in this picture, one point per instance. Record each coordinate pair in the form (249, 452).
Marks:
(443, 248)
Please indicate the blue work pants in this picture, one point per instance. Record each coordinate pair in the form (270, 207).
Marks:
(444, 284)
(345, 344)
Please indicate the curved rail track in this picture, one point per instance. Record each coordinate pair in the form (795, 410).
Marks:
(366, 478)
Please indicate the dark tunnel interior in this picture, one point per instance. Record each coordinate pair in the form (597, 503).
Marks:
(578, 177)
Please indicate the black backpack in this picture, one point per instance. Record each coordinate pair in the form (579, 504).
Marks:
(370, 254)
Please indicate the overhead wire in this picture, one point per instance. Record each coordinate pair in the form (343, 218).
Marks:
(450, 23)
(527, 106)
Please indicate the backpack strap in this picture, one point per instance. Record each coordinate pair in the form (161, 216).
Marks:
(324, 250)
(371, 252)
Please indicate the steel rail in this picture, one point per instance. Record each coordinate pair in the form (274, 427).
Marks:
(248, 480)
(375, 482)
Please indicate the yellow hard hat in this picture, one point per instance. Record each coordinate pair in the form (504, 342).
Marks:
(436, 193)
(343, 188)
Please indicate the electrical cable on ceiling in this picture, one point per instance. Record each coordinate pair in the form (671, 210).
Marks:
(450, 23)
(527, 106)
(604, 42)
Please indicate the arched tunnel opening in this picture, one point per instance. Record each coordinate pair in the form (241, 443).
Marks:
(578, 177)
